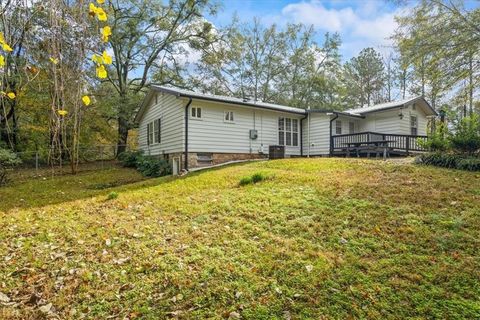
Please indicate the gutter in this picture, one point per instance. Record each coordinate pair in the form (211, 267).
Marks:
(186, 133)
(301, 134)
(331, 140)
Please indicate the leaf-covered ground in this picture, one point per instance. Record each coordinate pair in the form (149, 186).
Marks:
(319, 239)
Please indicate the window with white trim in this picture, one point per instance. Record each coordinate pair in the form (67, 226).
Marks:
(351, 127)
(287, 132)
(338, 127)
(196, 112)
(228, 116)
(413, 125)
(156, 131)
(150, 133)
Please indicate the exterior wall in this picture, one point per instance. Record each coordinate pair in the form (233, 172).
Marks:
(389, 121)
(346, 125)
(211, 134)
(317, 142)
(171, 112)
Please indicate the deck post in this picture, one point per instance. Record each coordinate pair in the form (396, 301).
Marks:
(407, 145)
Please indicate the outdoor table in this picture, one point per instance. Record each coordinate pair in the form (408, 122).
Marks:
(369, 145)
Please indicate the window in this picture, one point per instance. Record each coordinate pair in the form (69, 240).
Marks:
(228, 116)
(150, 133)
(413, 125)
(196, 112)
(287, 132)
(338, 127)
(156, 131)
(351, 127)
(281, 131)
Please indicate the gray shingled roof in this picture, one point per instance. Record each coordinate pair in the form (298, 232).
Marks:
(225, 99)
(390, 105)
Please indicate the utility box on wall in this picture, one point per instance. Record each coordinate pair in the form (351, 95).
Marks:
(253, 134)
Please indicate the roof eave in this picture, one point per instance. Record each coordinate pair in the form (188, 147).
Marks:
(194, 96)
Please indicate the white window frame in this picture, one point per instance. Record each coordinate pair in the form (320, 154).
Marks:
(195, 114)
(228, 116)
(351, 127)
(413, 124)
(288, 131)
(150, 133)
(338, 127)
(157, 131)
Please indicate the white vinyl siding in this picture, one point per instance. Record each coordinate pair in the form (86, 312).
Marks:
(390, 121)
(170, 134)
(318, 141)
(215, 135)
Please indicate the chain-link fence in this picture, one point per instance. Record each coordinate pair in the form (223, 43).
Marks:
(90, 158)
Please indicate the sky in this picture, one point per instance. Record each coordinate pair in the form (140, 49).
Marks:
(360, 23)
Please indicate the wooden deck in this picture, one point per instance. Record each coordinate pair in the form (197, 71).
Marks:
(399, 144)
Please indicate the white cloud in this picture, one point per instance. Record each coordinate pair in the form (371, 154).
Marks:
(367, 24)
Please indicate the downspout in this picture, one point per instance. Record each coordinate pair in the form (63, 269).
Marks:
(186, 133)
(331, 139)
(301, 134)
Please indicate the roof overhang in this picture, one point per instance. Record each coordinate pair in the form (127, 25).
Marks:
(340, 113)
(429, 110)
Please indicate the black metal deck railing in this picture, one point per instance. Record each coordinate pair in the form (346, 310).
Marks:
(398, 142)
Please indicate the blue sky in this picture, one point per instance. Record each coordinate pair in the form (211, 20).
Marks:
(360, 23)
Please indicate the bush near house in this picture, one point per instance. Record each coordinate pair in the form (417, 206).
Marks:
(458, 149)
(148, 166)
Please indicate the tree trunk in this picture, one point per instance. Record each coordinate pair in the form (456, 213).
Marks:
(122, 135)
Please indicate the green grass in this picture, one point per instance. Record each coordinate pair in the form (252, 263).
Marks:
(318, 239)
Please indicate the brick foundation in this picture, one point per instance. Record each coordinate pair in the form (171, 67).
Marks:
(216, 158)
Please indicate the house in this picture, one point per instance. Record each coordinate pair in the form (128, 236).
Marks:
(214, 129)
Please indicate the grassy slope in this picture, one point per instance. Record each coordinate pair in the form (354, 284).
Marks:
(382, 241)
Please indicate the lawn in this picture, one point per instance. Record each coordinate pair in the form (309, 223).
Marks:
(318, 239)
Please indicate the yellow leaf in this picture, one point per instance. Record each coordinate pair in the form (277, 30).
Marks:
(62, 112)
(101, 15)
(101, 1)
(101, 72)
(6, 47)
(92, 8)
(106, 32)
(54, 60)
(11, 95)
(2, 38)
(2, 60)
(97, 59)
(86, 100)
(107, 59)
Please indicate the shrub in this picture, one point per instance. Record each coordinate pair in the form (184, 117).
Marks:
(255, 178)
(151, 166)
(245, 180)
(466, 138)
(8, 160)
(469, 164)
(129, 158)
(112, 195)
(454, 161)
(438, 140)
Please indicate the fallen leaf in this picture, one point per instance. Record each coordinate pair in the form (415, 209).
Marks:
(4, 298)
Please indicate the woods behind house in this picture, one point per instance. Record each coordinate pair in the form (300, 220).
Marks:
(436, 53)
